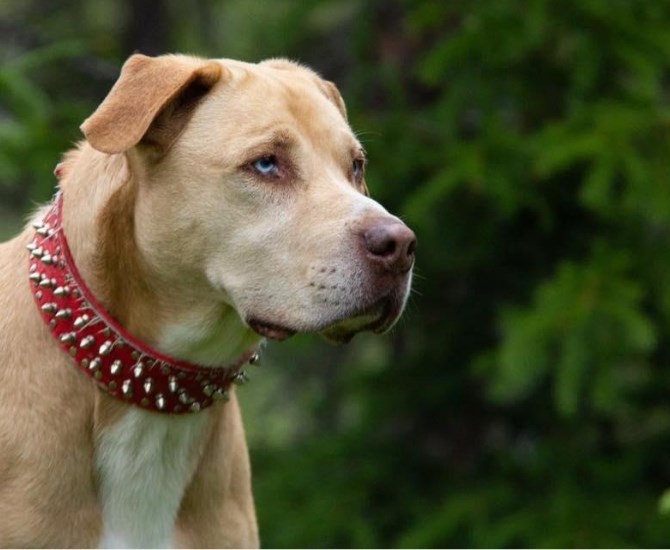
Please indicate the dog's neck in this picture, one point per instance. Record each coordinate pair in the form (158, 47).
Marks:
(173, 318)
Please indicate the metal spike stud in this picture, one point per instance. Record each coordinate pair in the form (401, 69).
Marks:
(172, 384)
(37, 225)
(62, 291)
(135, 355)
(47, 259)
(50, 308)
(42, 231)
(105, 348)
(35, 277)
(255, 359)
(63, 314)
(37, 252)
(241, 378)
(31, 246)
(185, 398)
(208, 390)
(95, 364)
(160, 402)
(221, 395)
(138, 371)
(87, 342)
(127, 388)
(68, 338)
(148, 385)
(115, 367)
(195, 407)
(81, 321)
(47, 283)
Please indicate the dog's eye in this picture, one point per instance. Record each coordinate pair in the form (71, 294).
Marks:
(266, 166)
(357, 168)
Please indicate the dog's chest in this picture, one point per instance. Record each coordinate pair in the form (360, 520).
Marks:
(144, 463)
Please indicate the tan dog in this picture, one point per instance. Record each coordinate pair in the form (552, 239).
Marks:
(214, 203)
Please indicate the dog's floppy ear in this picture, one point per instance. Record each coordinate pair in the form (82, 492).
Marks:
(331, 92)
(146, 87)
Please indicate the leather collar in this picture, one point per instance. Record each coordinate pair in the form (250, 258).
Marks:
(120, 364)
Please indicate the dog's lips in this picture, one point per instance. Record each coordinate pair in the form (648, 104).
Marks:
(270, 330)
(377, 318)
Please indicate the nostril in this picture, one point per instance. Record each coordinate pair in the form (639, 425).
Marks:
(380, 242)
(385, 247)
(411, 248)
(391, 245)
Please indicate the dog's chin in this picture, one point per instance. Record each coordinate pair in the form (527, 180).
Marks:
(378, 319)
(342, 333)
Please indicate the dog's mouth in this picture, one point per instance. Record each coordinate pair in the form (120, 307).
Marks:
(270, 330)
(377, 318)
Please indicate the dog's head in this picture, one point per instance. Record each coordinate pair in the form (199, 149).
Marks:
(252, 184)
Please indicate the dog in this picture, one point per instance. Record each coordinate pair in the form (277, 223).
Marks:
(214, 204)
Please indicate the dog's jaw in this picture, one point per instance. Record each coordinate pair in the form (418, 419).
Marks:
(210, 334)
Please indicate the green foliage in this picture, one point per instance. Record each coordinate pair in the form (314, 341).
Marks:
(30, 118)
(522, 401)
(587, 325)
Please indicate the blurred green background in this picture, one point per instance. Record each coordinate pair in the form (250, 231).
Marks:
(524, 399)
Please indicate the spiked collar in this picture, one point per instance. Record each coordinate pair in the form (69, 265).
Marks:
(120, 364)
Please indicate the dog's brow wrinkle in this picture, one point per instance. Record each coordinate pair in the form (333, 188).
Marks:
(283, 139)
(279, 139)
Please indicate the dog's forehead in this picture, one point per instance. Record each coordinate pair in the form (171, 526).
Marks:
(284, 93)
(273, 69)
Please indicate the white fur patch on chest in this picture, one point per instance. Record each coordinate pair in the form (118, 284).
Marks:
(144, 463)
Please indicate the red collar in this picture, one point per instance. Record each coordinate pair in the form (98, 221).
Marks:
(119, 364)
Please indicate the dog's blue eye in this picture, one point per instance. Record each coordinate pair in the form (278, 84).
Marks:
(357, 168)
(266, 166)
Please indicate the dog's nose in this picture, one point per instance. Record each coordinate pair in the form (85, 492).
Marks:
(391, 244)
